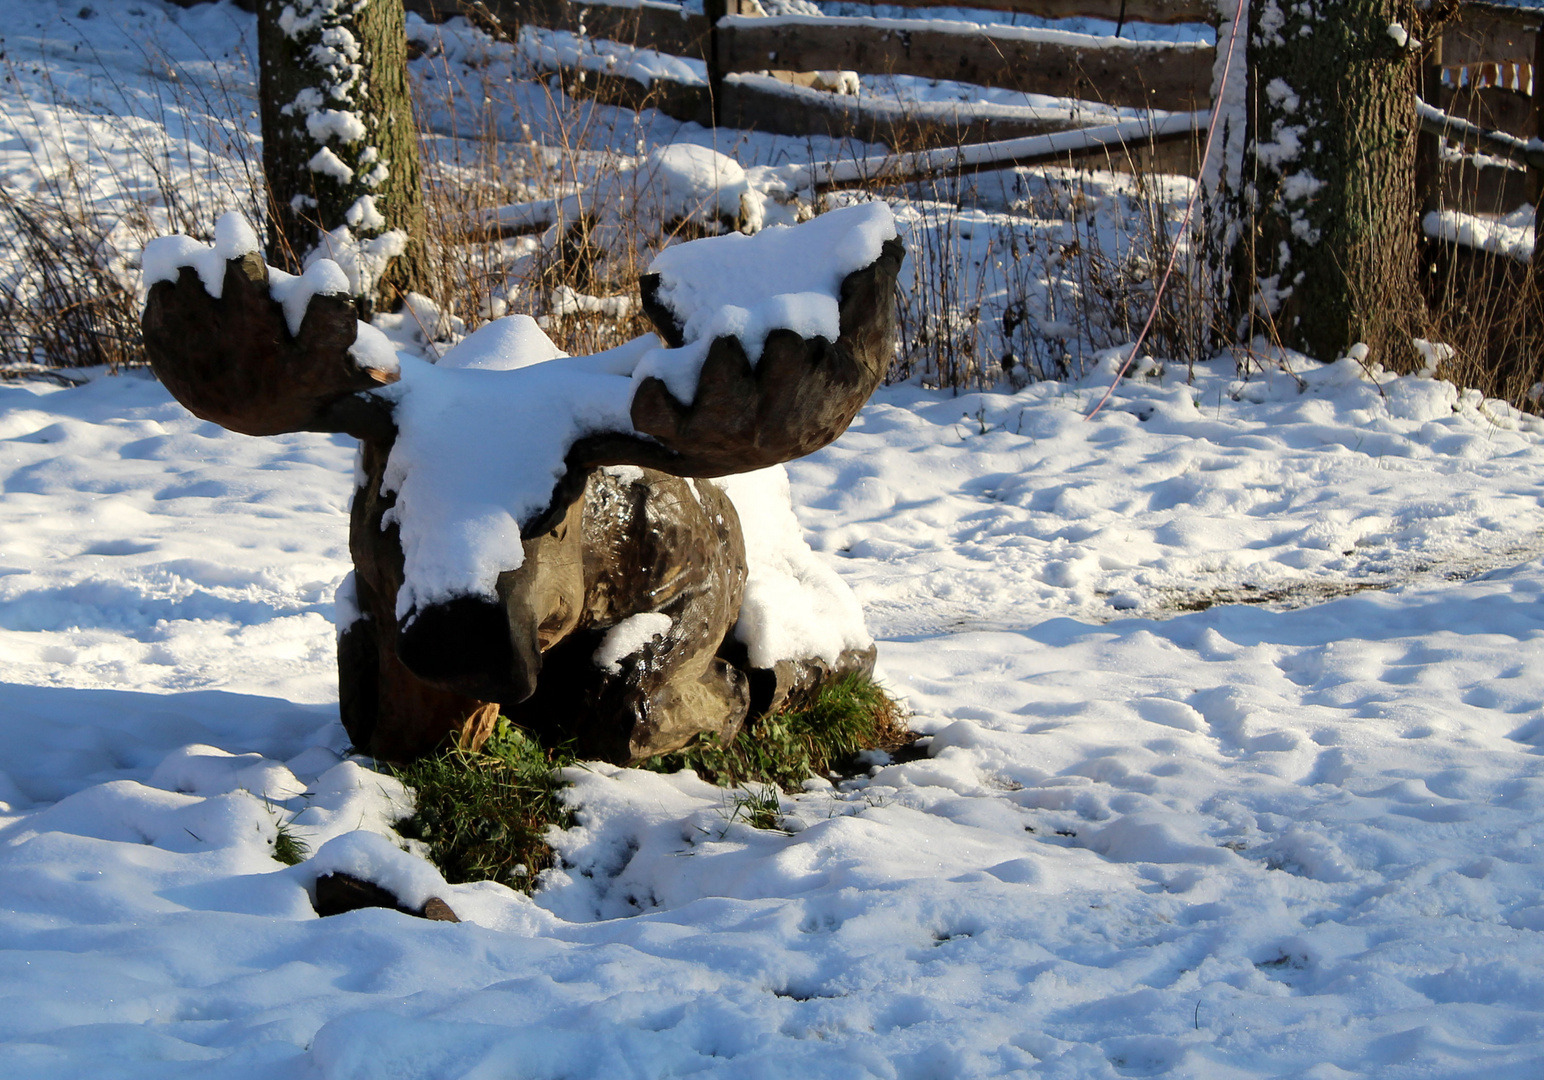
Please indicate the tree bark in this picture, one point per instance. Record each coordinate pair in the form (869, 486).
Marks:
(1329, 255)
(340, 151)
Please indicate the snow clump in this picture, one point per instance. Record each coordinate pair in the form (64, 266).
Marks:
(165, 256)
(795, 606)
(371, 857)
(748, 286)
(628, 637)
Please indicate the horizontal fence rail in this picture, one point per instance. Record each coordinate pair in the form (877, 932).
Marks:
(1111, 70)
(753, 65)
(1179, 133)
(1526, 152)
(1479, 152)
(1062, 147)
(1479, 86)
(1114, 11)
(667, 28)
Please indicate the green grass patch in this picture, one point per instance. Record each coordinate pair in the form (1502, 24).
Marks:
(288, 848)
(484, 814)
(850, 715)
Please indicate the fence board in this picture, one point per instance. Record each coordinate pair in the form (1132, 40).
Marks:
(650, 25)
(1115, 71)
(1487, 189)
(1478, 36)
(1491, 108)
(1115, 11)
(1108, 145)
(1499, 144)
(761, 103)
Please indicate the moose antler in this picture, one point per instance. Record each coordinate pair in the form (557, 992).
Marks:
(801, 394)
(231, 357)
(723, 398)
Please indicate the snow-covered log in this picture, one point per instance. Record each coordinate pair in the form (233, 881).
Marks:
(522, 512)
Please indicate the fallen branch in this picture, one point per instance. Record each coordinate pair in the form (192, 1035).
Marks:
(62, 376)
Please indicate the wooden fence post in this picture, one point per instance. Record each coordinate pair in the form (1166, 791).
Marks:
(1428, 150)
(716, 10)
(1535, 177)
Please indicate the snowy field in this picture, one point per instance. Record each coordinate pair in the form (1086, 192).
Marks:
(1243, 841)
(1233, 698)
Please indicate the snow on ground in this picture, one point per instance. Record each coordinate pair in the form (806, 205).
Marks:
(995, 511)
(1298, 838)
(1244, 841)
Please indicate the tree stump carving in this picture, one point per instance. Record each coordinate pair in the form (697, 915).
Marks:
(528, 533)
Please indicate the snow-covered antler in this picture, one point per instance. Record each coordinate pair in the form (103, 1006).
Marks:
(759, 370)
(772, 344)
(256, 350)
(797, 395)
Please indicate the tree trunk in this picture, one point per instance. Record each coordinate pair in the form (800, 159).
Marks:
(1329, 254)
(340, 151)
(1535, 176)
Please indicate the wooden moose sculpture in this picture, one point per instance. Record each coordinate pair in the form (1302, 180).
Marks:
(520, 513)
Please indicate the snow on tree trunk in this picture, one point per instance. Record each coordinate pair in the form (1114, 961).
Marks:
(339, 147)
(1329, 254)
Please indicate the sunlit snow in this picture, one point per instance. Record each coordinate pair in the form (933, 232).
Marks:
(1233, 699)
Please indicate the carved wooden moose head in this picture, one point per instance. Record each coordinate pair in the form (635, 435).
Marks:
(521, 513)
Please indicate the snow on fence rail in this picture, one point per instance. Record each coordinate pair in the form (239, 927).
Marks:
(739, 46)
(1168, 76)
(1478, 71)
(1112, 139)
(1115, 11)
(1480, 99)
(1481, 67)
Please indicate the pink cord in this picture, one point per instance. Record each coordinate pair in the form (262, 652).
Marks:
(1206, 153)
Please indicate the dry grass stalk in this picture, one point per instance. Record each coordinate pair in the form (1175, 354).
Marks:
(69, 292)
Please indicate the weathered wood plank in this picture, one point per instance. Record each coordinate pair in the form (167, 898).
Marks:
(1115, 11)
(1487, 189)
(761, 103)
(650, 25)
(1174, 140)
(1478, 36)
(1496, 143)
(1115, 71)
(1493, 109)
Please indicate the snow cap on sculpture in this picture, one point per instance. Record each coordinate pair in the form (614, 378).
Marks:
(508, 394)
(492, 547)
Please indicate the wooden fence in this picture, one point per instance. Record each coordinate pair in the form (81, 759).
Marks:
(755, 66)
(1480, 70)
(1479, 80)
